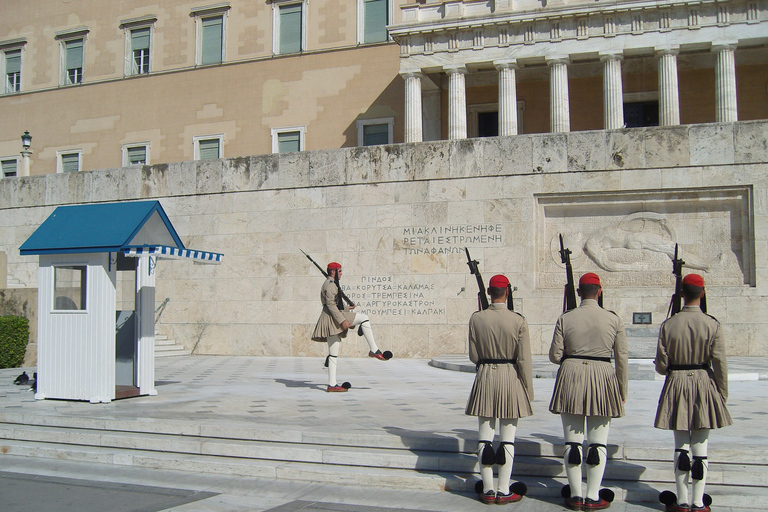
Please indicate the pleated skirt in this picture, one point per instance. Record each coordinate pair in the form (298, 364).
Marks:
(498, 392)
(327, 327)
(690, 400)
(588, 388)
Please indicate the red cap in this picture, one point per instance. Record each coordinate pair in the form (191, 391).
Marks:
(589, 278)
(333, 265)
(694, 280)
(498, 281)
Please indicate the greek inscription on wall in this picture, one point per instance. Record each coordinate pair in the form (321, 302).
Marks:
(451, 238)
(391, 296)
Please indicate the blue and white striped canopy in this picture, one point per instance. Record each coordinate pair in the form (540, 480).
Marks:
(165, 252)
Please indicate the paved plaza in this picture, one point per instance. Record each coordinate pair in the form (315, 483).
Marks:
(399, 398)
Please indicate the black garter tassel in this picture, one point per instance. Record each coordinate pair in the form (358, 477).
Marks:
(683, 461)
(574, 455)
(489, 457)
(697, 469)
(593, 457)
(501, 454)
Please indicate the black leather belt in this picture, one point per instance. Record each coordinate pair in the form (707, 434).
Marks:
(495, 361)
(588, 358)
(676, 367)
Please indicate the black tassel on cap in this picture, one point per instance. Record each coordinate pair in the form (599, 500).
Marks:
(489, 457)
(574, 454)
(683, 462)
(697, 469)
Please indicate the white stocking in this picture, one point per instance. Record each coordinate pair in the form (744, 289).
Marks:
(486, 429)
(362, 319)
(597, 434)
(699, 439)
(573, 432)
(507, 429)
(334, 344)
(682, 442)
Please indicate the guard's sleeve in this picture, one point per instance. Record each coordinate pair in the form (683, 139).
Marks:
(662, 358)
(621, 359)
(473, 356)
(556, 349)
(329, 301)
(719, 364)
(524, 360)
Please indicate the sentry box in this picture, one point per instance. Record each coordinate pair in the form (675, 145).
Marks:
(96, 298)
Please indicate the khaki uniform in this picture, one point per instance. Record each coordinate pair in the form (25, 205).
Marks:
(587, 387)
(692, 399)
(331, 318)
(500, 390)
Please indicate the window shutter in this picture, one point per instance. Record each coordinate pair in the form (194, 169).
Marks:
(374, 134)
(70, 162)
(13, 61)
(74, 54)
(290, 28)
(9, 168)
(140, 39)
(213, 31)
(288, 142)
(375, 18)
(209, 149)
(137, 155)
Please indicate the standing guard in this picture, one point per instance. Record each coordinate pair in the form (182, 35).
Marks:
(691, 354)
(588, 389)
(499, 346)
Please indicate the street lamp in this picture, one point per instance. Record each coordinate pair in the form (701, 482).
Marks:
(26, 139)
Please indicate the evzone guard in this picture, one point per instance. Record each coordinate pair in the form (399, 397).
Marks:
(502, 391)
(588, 389)
(335, 321)
(691, 354)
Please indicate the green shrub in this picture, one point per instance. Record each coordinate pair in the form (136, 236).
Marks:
(14, 336)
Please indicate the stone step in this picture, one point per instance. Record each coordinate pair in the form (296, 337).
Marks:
(733, 495)
(165, 347)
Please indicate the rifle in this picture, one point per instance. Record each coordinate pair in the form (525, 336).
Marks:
(341, 293)
(482, 298)
(569, 294)
(675, 304)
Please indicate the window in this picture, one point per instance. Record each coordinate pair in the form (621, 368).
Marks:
(483, 119)
(69, 287)
(208, 147)
(373, 16)
(641, 109)
(136, 154)
(69, 161)
(288, 27)
(287, 140)
(9, 167)
(140, 51)
(13, 71)
(210, 26)
(371, 132)
(73, 61)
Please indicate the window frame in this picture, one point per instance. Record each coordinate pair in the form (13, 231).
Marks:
(474, 110)
(83, 268)
(129, 26)
(13, 45)
(8, 159)
(207, 12)
(196, 145)
(288, 129)
(131, 145)
(64, 38)
(362, 123)
(59, 159)
(361, 22)
(276, 5)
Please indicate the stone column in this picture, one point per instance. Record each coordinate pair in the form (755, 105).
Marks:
(725, 84)
(613, 95)
(457, 103)
(669, 94)
(413, 128)
(25, 155)
(507, 97)
(559, 109)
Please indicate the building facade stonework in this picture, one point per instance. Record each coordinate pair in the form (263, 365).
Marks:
(398, 217)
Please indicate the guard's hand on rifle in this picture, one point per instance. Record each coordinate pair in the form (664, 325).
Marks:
(345, 325)
(351, 306)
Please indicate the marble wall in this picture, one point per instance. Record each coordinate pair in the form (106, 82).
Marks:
(399, 217)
